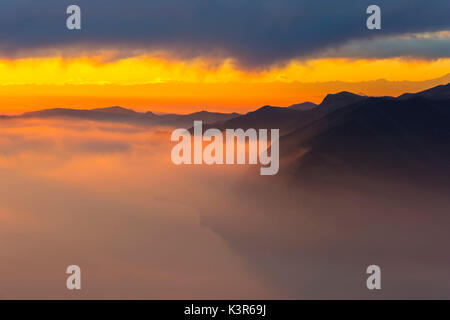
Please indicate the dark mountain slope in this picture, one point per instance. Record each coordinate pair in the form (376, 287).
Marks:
(441, 92)
(401, 138)
(269, 117)
(303, 106)
(291, 118)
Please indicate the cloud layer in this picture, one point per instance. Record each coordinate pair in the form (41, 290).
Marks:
(108, 198)
(253, 32)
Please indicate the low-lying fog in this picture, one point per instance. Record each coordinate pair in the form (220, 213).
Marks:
(107, 197)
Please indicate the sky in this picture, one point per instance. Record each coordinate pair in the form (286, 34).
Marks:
(219, 55)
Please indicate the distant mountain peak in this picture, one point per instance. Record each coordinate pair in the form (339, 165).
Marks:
(340, 99)
(201, 112)
(341, 94)
(115, 109)
(267, 108)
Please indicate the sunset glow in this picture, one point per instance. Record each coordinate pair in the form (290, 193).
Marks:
(165, 85)
(147, 70)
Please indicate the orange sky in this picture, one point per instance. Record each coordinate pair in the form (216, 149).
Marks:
(167, 85)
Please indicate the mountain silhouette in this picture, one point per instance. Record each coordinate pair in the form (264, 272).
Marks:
(345, 135)
(290, 118)
(119, 114)
(405, 138)
(116, 110)
(441, 92)
(285, 119)
(402, 139)
(338, 100)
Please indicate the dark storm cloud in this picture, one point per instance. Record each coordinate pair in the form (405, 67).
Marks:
(419, 47)
(255, 32)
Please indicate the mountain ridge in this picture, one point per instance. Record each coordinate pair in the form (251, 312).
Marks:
(120, 114)
(285, 118)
